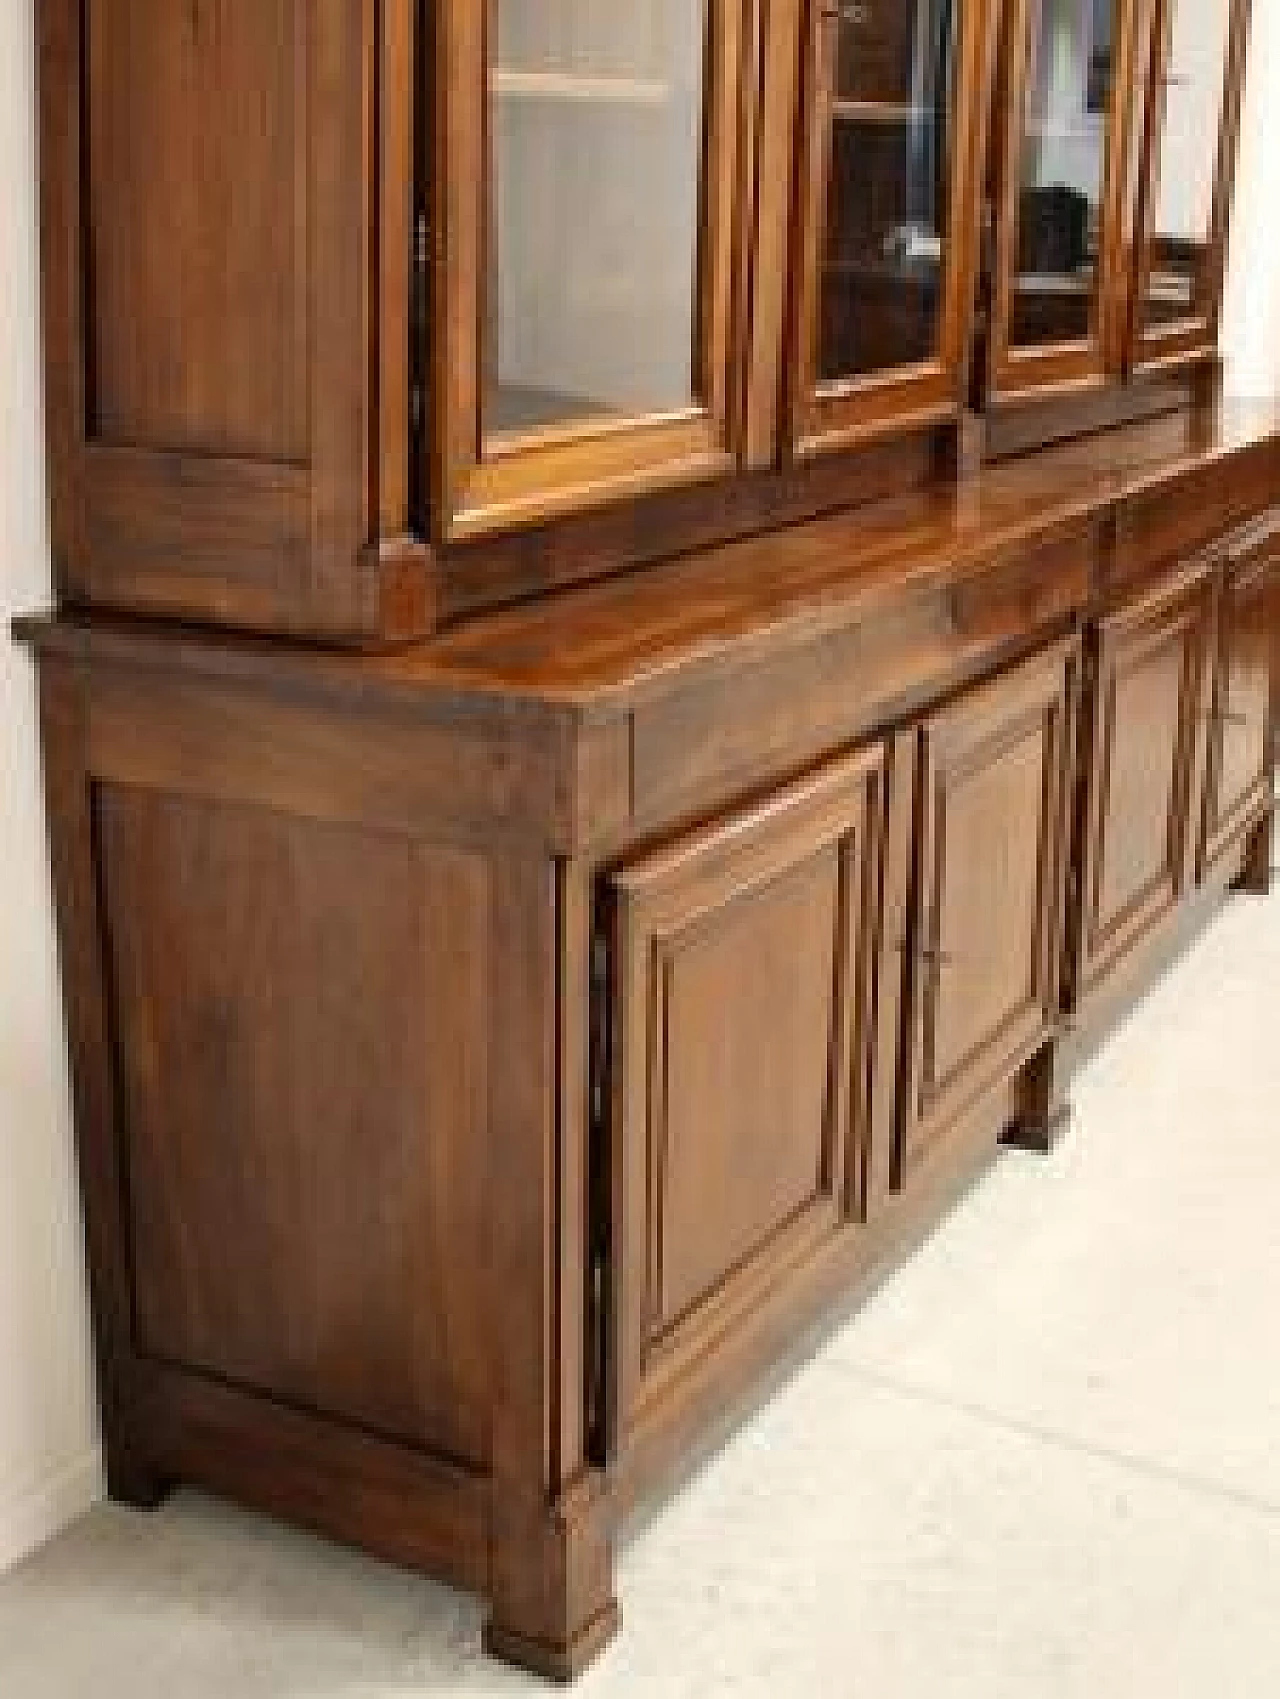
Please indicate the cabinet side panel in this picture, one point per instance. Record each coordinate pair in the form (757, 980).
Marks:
(196, 224)
(301, 1016)
(209, 183)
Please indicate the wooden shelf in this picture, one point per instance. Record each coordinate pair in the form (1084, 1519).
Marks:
(568, 87)
(1056, 282)
(517, 409)
(888, 112)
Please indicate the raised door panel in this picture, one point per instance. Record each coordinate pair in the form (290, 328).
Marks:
(301, 1016)
(993, 839)
(591, 170)
(1193, 122)
(1239, 788)
(207, 174)
(1147, 715)
(1072, 69)
(744, 993)
(894, 109)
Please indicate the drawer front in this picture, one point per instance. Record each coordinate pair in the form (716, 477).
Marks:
(1239, 785)
(1180, 517)
(1147, 712)
(743, 979)
(993, 846)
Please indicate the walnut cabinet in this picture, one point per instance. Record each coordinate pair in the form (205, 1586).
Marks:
(661, 619)
(363, 315)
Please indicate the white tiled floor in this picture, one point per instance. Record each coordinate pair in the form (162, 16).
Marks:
(1043, 1462)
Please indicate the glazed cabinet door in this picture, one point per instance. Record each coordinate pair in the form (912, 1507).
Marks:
(893, 107)
(589, 167)
(1239, 787)
(992, 851)
(1147, 707)
(1193, 119)
(743, 986)
(1060, 289)
(208, 236)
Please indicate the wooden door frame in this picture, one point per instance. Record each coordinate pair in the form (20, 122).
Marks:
(1193, 340)
(545, 475)
(1248, 578)
(823, 417)
(681, 890)
(1067, 367)
(1183, 606)
(1044, 686)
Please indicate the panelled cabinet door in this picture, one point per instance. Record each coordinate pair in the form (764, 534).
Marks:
(1148, 714)
(1239, 786)
(743, 996)
(587, 228)
(1064, 193)
(894, 131)
(993, 845)
(207, 229)
(1198, 60)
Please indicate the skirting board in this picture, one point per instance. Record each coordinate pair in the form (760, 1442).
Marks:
(36, 1515)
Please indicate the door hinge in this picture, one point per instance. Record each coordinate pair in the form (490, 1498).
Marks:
(599, 1294)
(420, 296)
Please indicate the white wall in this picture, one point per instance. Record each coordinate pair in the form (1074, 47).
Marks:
(1251, 312)
(48, 1458)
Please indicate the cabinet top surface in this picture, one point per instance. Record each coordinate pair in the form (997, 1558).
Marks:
(597, 649)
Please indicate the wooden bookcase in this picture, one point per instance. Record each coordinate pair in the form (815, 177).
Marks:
(660, 620)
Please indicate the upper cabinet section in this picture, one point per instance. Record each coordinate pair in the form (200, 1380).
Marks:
(592, 203)
(1193, 115)
(364, 315)
(893, 103)
(1110, 186)
(1058, 286)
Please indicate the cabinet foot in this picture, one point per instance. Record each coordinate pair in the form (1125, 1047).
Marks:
(1043, 1115)
(554, 1662)
(1256, 876)
(134, 1485)
(551, 1582)
(1039, 1135)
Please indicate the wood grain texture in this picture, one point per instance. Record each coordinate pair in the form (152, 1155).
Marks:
(197, 172)
(1239, 787)
(740, 1118)
(996, 782)
(208, 201)
(249, 1079)
(1150, 666)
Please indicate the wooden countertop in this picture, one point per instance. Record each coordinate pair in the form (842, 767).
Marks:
(598, 649)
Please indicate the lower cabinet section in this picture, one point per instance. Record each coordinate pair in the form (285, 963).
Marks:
(994, 827)
(463, 1130)
(747, 962)
(1144, 766)
(744, 1002)
(1238, 788)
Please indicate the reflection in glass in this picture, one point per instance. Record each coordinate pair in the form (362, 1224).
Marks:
(1194, 96)
(597, 119)
(888, 185)
(1062, 171)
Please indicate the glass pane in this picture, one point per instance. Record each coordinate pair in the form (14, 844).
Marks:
(1062, 171)
(1188, 160)
(889, 185)
(597, 122)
